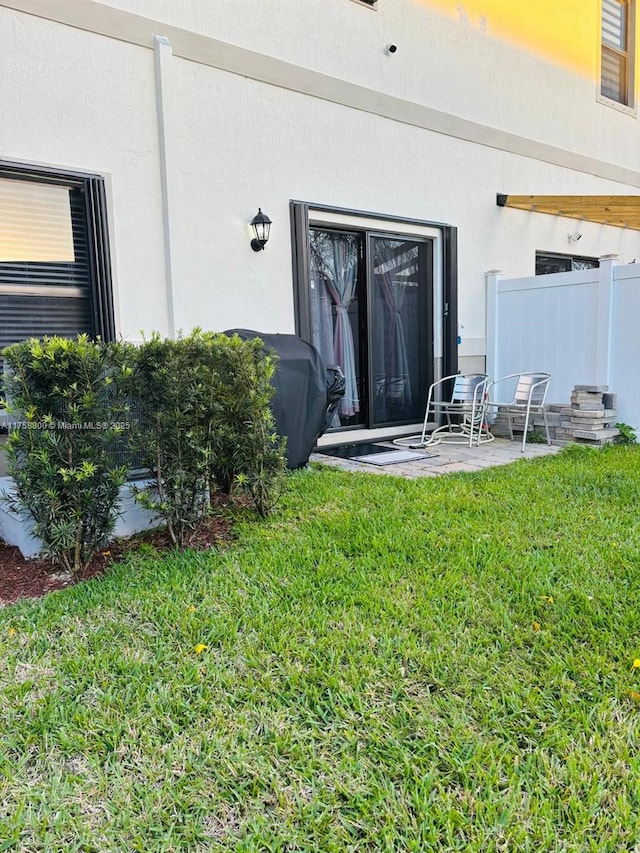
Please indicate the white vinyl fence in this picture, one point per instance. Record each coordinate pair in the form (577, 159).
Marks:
(582, 327)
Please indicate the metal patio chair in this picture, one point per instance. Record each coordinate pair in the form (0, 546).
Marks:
(462, 411)
(528, 399)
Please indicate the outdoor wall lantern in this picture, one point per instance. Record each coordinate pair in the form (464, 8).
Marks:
(261, 225)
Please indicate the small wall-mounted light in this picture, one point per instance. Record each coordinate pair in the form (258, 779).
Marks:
(573, 238)
(261, 225)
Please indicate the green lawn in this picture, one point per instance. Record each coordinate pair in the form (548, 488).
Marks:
(389, 665)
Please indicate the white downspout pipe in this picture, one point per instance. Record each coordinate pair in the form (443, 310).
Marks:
(165, 103)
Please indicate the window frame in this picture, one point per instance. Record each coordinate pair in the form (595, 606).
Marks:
(628, 106)
(99, 255)
(564, 257)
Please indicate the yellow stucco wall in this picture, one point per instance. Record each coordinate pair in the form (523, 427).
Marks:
(567, 33)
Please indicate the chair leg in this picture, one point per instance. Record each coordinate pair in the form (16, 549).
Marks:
(471, 423)
(510, 426)
(483, 425)
(526, 428)
(423, 437)
(480, 423)
(546, 426)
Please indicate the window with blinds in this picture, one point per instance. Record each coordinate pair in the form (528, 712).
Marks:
(54, 259)
(616, 75)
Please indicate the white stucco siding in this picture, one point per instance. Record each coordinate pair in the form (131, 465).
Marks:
(74, 99)
(245, 144)
(462, 63)
(78, 101)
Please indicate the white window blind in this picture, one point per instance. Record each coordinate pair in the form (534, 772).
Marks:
(614, 23)
(55, 271)
(614, 67)
(35, 223)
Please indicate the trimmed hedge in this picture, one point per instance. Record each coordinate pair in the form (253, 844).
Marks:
(204, 424)
(70, 415)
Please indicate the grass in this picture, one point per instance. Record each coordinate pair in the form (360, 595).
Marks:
(388, 665)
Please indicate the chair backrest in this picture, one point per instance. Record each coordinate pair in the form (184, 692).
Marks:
(467, 387)
(525, 387)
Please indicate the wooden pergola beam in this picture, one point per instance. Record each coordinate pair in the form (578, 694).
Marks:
(621, 211)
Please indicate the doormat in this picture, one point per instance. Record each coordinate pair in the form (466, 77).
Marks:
(392, 457)
(348, 451)
(374, 454)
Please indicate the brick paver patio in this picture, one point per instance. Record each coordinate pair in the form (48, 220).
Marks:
(447, 458)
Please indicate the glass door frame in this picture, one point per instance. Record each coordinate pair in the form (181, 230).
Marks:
(362, 346)
(425, 345)
(368, 223)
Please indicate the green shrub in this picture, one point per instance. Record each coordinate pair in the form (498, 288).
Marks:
(205, 402)
(627, 434)
(244, 448)
(205, 424)
(67, 399)
(170, 383)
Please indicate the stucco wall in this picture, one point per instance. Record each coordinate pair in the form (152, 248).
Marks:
(80, 100)
(261, 145)
(71, 99)
(484, 60)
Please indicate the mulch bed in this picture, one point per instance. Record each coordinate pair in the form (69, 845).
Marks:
(22, 578)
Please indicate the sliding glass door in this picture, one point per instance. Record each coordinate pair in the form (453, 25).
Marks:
(399, 328)
(338, 300)
(370, 312)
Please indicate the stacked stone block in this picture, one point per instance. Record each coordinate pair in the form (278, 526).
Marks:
(593, 414)
(588, 418)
